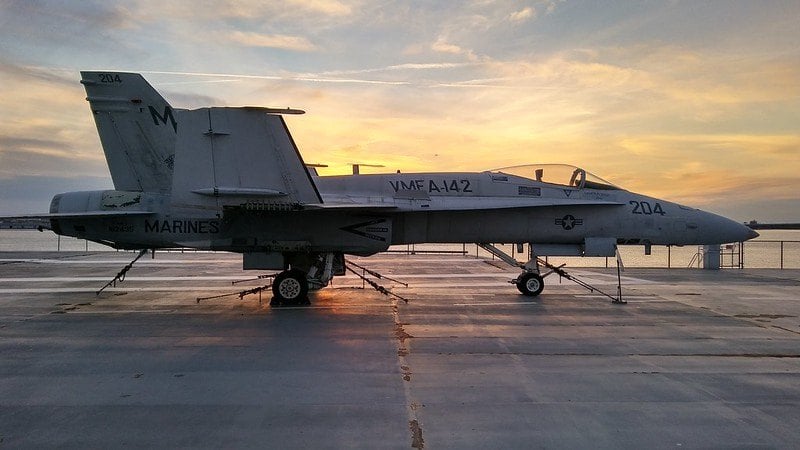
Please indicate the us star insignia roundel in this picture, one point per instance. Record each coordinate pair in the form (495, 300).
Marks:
(569, 222)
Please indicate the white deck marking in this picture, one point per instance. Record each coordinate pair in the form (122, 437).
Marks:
(93, 289)
(520, 303)
(117, 261)
(127, 279)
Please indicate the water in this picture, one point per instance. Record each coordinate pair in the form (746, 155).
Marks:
(762, 252)
(44, 241)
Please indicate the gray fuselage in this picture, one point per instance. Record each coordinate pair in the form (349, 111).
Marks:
(407, 209)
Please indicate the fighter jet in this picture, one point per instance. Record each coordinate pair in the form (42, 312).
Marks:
(232, 179)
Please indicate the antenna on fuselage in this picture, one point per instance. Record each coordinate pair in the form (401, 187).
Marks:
(313, 168)
(357, 167)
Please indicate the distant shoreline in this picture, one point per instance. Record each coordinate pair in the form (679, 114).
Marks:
(23, 224)
(773, 226)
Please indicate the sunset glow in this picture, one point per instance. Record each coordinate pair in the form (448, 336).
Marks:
(696, 102)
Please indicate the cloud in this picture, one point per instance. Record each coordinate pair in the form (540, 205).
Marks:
(149, 11)
(443, 47)
(47, 75)
(47, 126)
(287, 76)
(39, 145)
(685, 109)
(278, 41)
(523, 15)
(286, 8)
(92, 14)
(34, 28)
(50, 163)
(327, 7)
(400, 67)
(28, 194)
(552, 4)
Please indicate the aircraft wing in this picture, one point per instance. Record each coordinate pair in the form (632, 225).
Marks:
(83, 214)
(341, 203)
(352, 206)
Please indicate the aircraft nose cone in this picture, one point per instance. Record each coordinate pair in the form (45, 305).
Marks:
(720, 230)
(745, 233)
(731, 231)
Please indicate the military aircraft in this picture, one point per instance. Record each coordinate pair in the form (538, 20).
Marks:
(232, 179)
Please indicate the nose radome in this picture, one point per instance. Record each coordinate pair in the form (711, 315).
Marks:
(733, 231)
(721, 230)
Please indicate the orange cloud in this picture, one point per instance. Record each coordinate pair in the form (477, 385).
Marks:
(280, 41)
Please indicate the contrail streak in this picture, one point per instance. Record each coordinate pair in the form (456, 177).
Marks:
(314, 79)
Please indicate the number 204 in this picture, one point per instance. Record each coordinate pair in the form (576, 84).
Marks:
(646, 209)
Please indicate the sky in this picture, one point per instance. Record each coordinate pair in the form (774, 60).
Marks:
(695, 101)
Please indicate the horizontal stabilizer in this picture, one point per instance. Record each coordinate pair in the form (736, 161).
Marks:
(275, 110)
(232, 156)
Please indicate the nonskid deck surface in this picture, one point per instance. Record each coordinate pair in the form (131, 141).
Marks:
(695, 359)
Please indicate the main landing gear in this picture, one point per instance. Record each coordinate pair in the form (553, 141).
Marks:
(308, 272)
(290, 287)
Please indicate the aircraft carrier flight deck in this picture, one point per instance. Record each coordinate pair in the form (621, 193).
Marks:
(696, 358)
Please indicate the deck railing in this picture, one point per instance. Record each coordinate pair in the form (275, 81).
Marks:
(759, 253)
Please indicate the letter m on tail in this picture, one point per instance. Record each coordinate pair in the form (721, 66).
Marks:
(163, 119)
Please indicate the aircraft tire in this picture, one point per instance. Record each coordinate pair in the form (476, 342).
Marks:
(290, 287)
(530, 284)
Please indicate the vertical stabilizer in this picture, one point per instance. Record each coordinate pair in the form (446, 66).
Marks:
(137, 129)
(233, 156)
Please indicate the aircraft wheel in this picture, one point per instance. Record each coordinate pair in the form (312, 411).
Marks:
(290, 287)
(530, 284)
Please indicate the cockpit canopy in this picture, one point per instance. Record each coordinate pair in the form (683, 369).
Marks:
(559, 174)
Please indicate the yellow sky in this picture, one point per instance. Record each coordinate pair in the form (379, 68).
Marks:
(696, 102)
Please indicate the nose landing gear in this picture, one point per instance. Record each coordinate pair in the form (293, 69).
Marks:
(529, 283)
